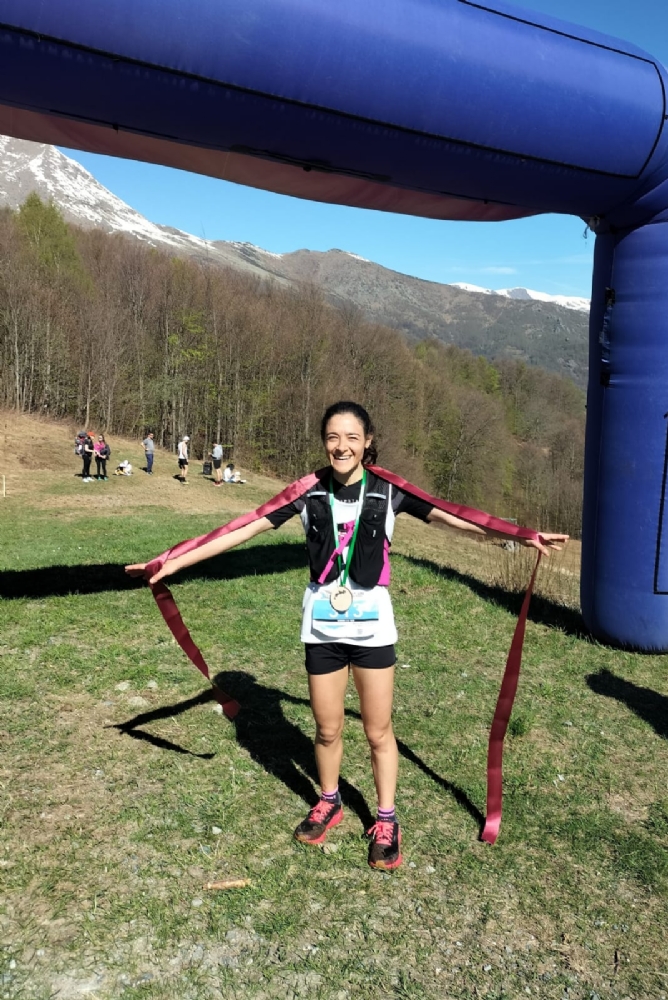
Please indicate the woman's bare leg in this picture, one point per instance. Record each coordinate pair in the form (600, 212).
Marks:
(327, 693)
(376, 689)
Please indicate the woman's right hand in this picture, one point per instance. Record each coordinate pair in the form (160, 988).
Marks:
(139, 569)
(136, 569)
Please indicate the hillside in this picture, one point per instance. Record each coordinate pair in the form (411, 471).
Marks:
(541, 333)
(544, 334)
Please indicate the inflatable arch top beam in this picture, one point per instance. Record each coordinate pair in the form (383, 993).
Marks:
(447, 109)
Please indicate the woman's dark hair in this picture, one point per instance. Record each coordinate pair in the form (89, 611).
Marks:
(345, 406)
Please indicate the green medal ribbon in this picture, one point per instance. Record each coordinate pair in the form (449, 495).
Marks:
(344, 571)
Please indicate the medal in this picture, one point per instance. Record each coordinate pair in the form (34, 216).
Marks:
(341, 598)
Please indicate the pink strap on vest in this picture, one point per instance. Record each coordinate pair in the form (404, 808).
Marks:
(348, 530)
(504, 706)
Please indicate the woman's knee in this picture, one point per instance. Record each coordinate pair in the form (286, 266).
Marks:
(380, 737)
(328, 733)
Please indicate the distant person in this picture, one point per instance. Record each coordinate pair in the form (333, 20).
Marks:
(79, 445)
(230, 475)
(87, 455)
(149, 450)
(217, 459)
(123, 468)
(183, 459)
(102, 453)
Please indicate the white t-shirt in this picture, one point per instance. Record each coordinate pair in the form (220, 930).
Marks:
(363, 629)
(183, 450)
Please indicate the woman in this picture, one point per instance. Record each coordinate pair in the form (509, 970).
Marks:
(87, 456)
(348, 622)
(102, 453)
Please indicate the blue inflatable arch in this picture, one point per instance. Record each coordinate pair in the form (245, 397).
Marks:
(441, 108)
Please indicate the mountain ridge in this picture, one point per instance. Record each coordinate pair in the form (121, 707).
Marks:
(513, 323)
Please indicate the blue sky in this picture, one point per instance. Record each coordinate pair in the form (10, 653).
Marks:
(548, 253)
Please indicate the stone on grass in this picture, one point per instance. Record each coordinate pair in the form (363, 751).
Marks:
(123, 686)
(138, 702)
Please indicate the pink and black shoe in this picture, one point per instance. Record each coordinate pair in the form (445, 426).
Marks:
(320, 819)
(385, 846)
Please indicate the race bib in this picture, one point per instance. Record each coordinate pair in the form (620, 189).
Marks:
(357, 612)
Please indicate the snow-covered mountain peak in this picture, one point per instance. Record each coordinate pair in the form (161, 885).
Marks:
(527, 294)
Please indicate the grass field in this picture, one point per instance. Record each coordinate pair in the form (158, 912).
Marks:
(124, 790)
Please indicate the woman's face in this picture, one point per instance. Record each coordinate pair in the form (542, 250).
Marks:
(345, 442)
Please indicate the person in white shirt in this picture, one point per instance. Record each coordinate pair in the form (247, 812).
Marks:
(183, 458)
(232, 476)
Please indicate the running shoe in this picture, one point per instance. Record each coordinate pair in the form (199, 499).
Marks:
(385, 846)
(321, 818)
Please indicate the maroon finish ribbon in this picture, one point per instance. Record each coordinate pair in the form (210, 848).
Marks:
(511, 675)
(167, 604)
(171, 614)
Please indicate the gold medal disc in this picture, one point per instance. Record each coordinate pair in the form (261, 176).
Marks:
(341, 599)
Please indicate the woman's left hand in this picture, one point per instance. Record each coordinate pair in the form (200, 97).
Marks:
(546, 543)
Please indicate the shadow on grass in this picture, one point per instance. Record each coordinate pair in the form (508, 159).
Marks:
(542, 611)
(259, 560)
(648, 704)
(279, 746)
(131, 727)
(59, 581)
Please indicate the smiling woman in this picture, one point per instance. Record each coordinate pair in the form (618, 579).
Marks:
(348, 511)
(526, 114)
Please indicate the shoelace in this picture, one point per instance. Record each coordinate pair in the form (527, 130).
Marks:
(319, 812)
(382, 831)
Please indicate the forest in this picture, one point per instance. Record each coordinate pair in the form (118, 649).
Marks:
(125, 338)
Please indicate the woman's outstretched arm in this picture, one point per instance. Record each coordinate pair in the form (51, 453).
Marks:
(548, 542)
(214, 548)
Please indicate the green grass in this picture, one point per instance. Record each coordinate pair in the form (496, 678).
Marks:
(109, 802)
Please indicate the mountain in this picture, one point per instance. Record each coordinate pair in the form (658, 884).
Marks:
(542, 333)
(547, 331)
(32, 166)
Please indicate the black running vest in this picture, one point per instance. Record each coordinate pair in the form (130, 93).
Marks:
(367, 561)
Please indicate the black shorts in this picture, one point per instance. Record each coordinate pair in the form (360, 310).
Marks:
(217, 462)
(328, 657)
(183, 462)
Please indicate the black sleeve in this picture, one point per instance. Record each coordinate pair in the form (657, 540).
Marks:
(284, 514)
(406, 503)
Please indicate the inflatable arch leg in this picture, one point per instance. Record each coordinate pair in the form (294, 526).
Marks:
(625, 526)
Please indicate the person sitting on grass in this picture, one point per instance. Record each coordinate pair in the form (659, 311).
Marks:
(230, 475)
(347, 620)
